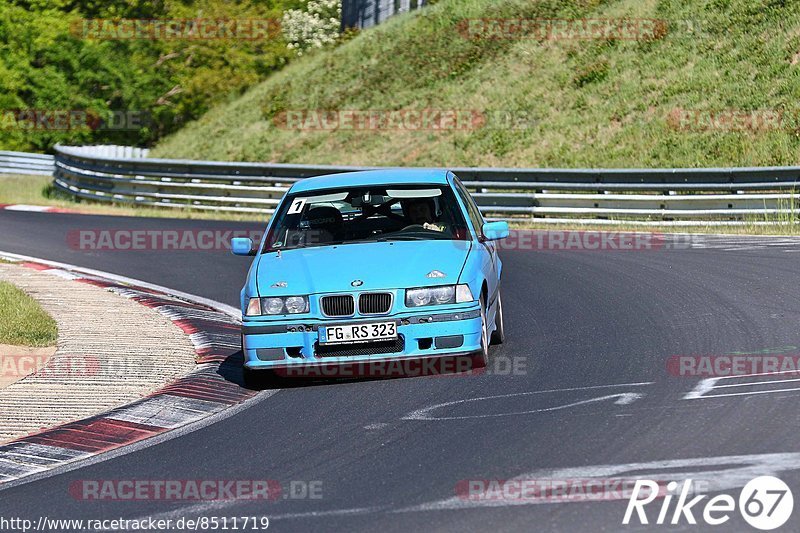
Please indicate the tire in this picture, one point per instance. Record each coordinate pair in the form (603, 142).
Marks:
(252, 379)
(260, 379)
(499, 333)
(481, 359)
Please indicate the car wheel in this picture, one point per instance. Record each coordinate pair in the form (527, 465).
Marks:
(481, 359)
(252, 378)
(499, 333)
(260, 379)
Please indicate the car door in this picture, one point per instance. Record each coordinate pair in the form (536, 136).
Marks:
(488, 249)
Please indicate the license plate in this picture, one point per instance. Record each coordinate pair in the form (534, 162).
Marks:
(351, 333)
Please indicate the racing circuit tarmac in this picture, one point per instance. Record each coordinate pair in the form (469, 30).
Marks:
(592, 333)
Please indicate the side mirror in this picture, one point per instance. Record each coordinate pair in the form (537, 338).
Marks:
(494, 231)
(242, 246)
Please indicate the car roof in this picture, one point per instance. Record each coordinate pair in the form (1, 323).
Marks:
(389, 176)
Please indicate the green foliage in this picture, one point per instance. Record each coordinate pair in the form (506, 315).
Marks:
(51, 61)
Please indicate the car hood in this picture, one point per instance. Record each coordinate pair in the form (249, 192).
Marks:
(379, 265)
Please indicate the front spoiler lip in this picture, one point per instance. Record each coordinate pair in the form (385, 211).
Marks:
(361, 362)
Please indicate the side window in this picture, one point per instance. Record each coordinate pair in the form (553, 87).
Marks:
(472, 209)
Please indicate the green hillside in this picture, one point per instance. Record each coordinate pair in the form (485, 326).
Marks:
(717, 82)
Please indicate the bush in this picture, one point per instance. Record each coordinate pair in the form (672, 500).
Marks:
(315, 26)
(50, 63)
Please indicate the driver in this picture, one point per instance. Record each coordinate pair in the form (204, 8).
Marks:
(420, 211)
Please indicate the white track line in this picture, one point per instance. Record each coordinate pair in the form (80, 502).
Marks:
(623, 399)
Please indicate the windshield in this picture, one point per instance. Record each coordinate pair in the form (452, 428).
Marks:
(367, 214)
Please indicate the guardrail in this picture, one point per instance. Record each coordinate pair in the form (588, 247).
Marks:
(615, 195)
(113, 151)
(25, 163)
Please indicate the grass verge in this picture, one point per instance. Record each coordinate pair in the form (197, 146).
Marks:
(22, 320)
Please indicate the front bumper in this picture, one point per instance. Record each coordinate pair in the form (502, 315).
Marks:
(292, 345)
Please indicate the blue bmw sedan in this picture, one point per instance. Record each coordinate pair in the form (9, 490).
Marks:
(363, 269)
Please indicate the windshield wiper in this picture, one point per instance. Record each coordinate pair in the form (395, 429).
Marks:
(403, 238)
(351, 241)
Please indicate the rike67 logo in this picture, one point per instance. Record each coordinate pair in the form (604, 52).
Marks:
(765, 503)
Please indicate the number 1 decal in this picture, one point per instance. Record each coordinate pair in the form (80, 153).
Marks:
(297, 206)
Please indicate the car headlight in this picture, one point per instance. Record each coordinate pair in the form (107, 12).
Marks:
(443, 294)
(271, 306)
(277, 305)
(296, 304)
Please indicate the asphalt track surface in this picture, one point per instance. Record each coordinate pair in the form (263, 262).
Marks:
(585, 324)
